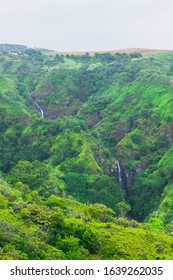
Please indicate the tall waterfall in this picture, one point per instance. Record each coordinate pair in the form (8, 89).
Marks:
(40, 109)
(121, 179)
(119, 171)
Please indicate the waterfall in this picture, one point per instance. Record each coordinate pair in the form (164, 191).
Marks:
(121, 178)
(41, 111)
(119, 171)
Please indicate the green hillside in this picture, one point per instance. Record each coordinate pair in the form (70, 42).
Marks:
(86, 155)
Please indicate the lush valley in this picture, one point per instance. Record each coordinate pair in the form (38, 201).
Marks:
(86, 155)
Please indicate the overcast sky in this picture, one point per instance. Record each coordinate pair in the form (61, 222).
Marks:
(76, 25)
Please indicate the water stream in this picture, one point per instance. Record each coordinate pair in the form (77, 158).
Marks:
(120, 181)
(40, 109)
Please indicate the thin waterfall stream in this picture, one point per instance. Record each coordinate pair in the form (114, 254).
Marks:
(119, 174)
(40, 109)
(121, 178)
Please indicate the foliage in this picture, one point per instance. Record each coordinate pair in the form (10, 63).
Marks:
(62, 228)
(63, 195)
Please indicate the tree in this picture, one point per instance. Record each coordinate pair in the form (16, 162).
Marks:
(34, 174)
(123, 208)
(136, 55)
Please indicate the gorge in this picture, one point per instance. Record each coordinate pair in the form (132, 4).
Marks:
(86, 155)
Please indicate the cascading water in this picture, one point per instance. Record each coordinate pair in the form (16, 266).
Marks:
(119, 171)
(40, 109)
(121, 178)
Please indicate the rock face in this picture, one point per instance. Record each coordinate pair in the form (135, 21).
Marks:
(123, 176)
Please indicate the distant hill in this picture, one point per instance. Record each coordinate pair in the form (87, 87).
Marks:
(12, 47)
(18, 48)
(127, 51)
(144, 51)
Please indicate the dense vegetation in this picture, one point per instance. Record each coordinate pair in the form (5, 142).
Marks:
(85, 155)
